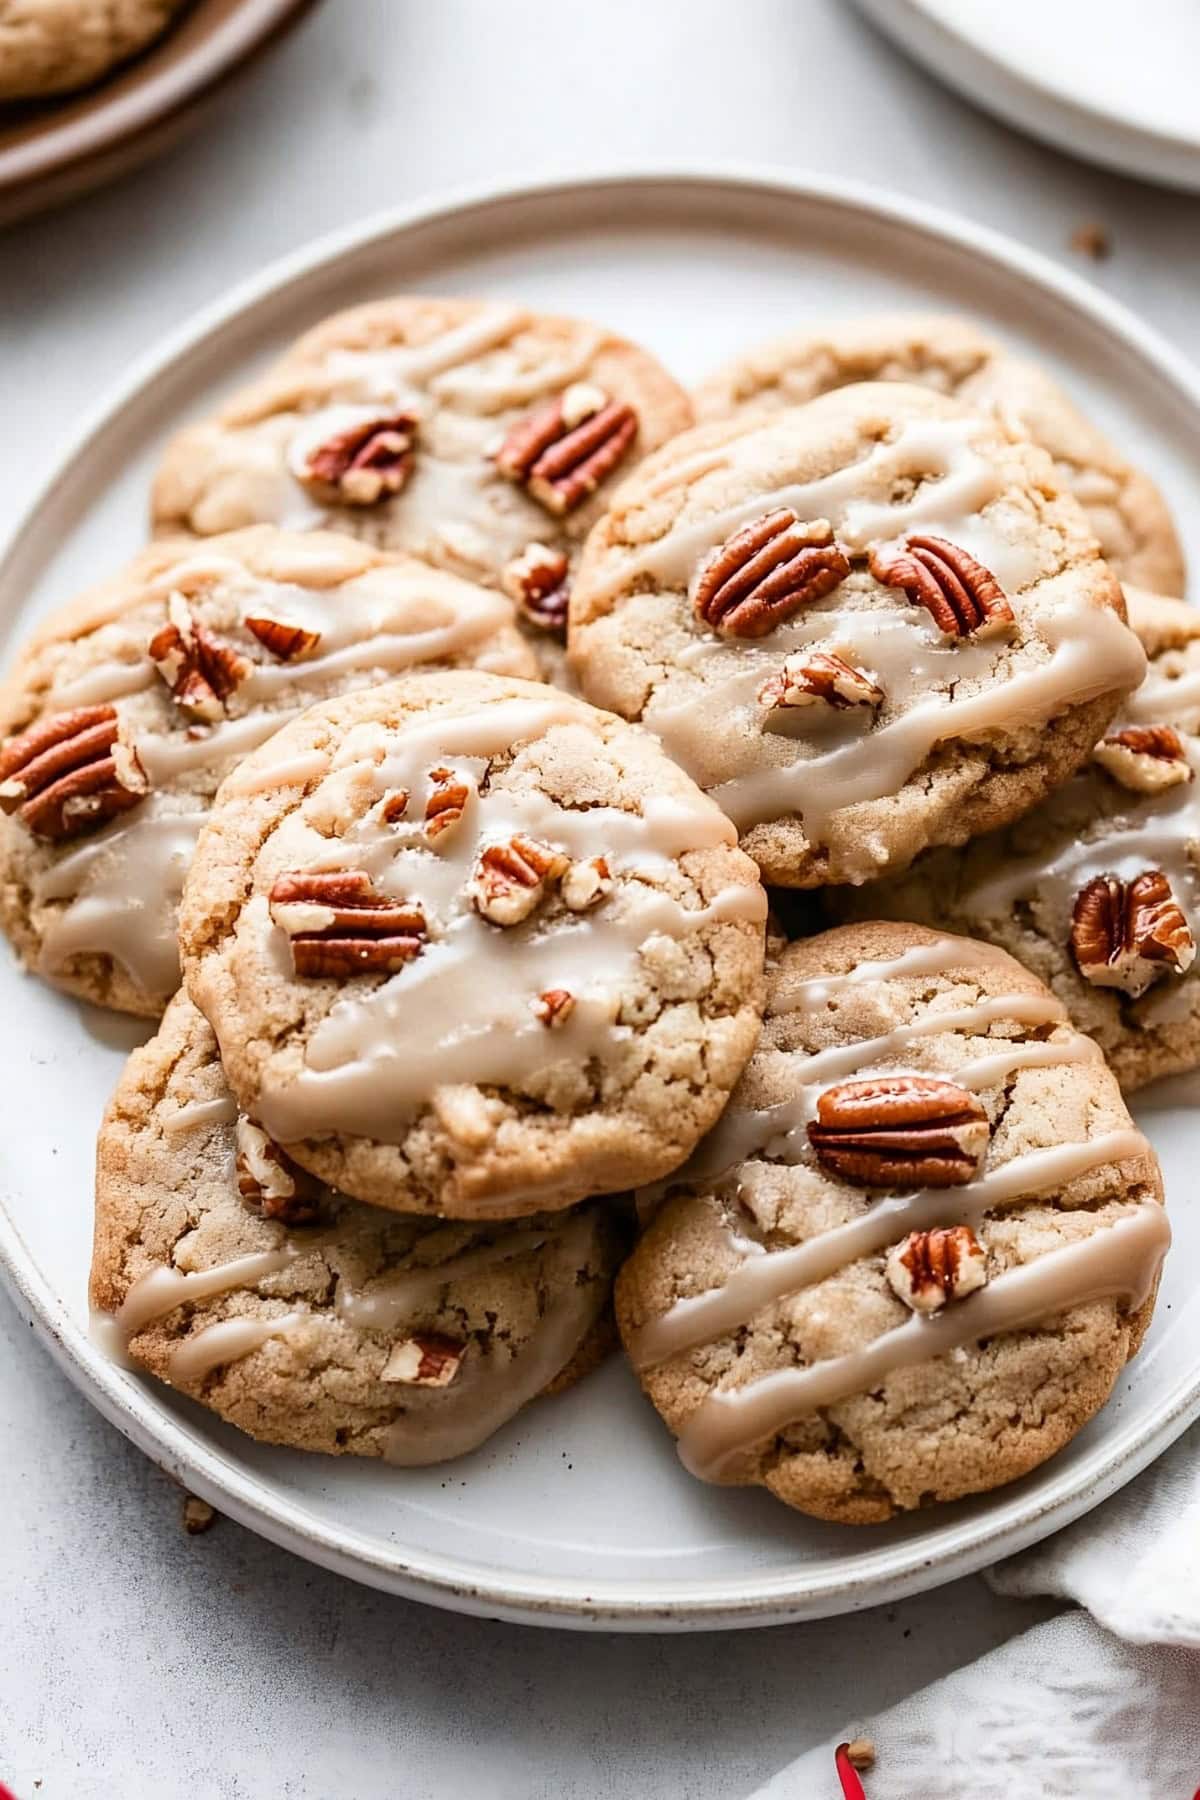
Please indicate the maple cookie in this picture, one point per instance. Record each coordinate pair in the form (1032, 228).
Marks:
(953, 356)
(129, 706)
(305, 1318)
(57, 46)
(495, 953)
(1098, 891)
(480, 436)
(865, 626)
(914, 1256)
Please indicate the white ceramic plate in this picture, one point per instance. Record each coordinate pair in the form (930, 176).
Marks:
(578, 1513)
(1112, 83)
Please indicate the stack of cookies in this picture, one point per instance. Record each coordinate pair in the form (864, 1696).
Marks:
(446, 746)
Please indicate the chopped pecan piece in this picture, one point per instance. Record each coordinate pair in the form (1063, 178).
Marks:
(1125, 934)
(339, 925)
(270, 1183)
(931, 1267)
(1146, 758)
(393, 806)
(585, 884)
(537, 581)
(509, 881)
(770, 569)
(69, 773)
(563, 450)
(287, 642)
(200, 669)
(819, 677)
(962, 597)
(446, 804)
(900, 1131)
(553, 1007)
(424, 1360)
(368, 463)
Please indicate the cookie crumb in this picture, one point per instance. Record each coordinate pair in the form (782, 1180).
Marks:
(860, 1754)
(198, 1515)
(1092, 240)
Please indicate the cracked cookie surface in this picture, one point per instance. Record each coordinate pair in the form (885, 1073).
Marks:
(128, 707)
(1124, 507)
(494, 953)
(764, 1306)
(1132, 813)
(56, 46)
(865, 626)
(308, 1319)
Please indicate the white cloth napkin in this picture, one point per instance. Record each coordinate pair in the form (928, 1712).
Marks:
(1102, 1704)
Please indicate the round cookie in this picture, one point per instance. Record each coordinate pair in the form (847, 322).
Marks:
(56, 46)
(477, 435)
(1098, 890)
(865, 626)
(305, 1318)
(129, 705)
(1125, 509)
(922, 1243)
(471, 947)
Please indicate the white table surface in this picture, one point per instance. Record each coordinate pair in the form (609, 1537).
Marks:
(137, 1661)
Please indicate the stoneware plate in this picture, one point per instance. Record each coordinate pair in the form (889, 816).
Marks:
(577, 1513)
(53, 150)
(1111, 83)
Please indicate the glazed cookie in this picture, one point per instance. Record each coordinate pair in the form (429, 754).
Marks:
(919, 1248)
(471, 947)
(1098, 890)
(56, 46)
(479, 436)
(865, 626)
(1126, 511)
(130, 705)
(305, 1318)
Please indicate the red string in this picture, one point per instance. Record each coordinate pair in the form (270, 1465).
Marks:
(852, 1787)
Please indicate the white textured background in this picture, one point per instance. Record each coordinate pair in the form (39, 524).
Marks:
(135, 1661)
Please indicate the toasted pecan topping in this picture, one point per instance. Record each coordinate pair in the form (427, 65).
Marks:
(509, 881)
(766, 572)
(287, 642)
(446, 803)
(537, 581)
(1144, 758)
(368, 463)
(962, 597)
(340, 925)
(931, 1267)
(563, 450)
(427, 1359)
(900, 1131)
(553, 1007)
(819, 677)
(69, 773)
(1126, 934)
(585, 884)
(200, 668)
(270, 1183)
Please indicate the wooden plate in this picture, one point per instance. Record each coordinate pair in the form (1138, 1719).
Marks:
(54, 150)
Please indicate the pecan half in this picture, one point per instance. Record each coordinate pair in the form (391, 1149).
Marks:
(270, 1183)
(69, 773)
(446, 804)
(1146, 758)
(339, 925)
(962, 597)
(900, 1131)
(554, 1007)
(509, 881)
(563, 450)
(931, 1267)
(425, 1360)
(770, 569)
(537, 581)
(200, 669)
(585, 884)
(1125, 934)
(819, 677)
(287, 642)
(368, 463)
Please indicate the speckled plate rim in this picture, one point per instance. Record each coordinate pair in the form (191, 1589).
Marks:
(954, 1547)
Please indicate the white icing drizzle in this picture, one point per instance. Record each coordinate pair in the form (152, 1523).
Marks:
(229, 1340)
(388, 1303)
(112, 681)
(199, 1113)
(161, 1290)
(360, 1075)
(1162, 697)
(1117, 1261)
